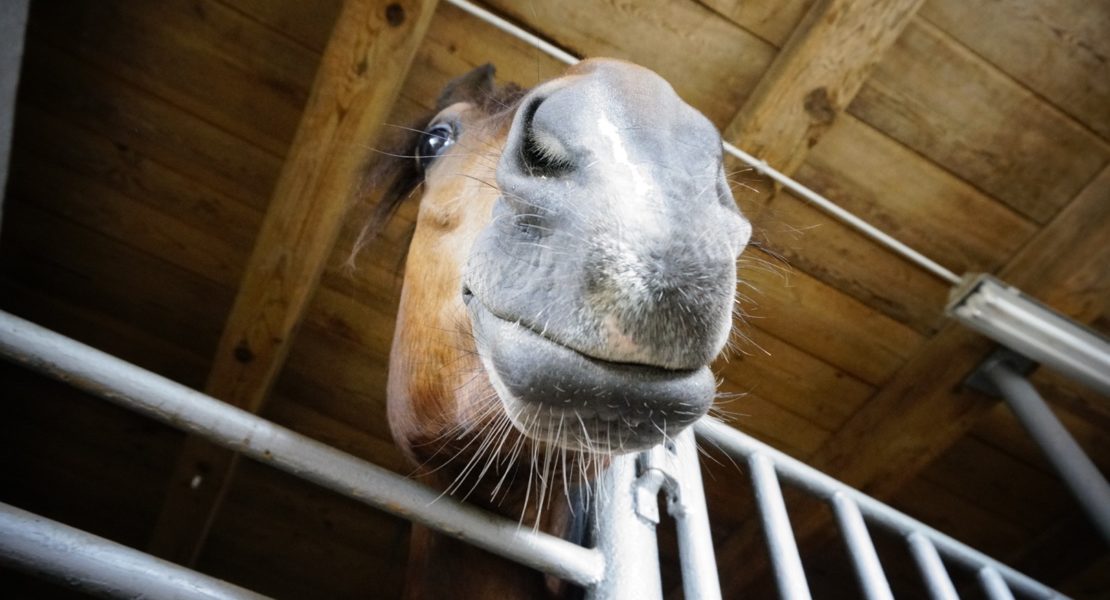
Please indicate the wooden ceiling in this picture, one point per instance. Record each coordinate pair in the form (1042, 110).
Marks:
(150, 142)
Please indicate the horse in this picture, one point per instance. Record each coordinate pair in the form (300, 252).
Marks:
(570, 278)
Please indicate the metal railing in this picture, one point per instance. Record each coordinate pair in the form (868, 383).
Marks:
(623, 565)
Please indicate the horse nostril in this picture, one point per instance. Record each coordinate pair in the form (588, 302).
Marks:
(542, 154)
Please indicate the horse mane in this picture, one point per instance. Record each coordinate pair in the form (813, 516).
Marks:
(393, 170)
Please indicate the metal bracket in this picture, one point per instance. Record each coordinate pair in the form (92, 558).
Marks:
(979, 381)
(658, 470)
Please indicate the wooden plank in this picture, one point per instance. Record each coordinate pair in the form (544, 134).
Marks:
(776, 371)
(123, 169)
(136, 119)
(990, 479)
(263, 77)
(355, 551)
(359, 78)
(772, 21)
(815, 77)
(924, 409)
(1069, 66)
(711, 62)
(88, 269)
(821, 320)
(309, 23)
(86, 202)
(826, 249)
(1001, 429)
(943, 101)
(913, 199)
(73, 457)
(123, 339)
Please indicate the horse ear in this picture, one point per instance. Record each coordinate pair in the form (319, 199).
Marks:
(475, 86)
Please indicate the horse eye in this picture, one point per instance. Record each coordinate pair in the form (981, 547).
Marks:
(433, 142)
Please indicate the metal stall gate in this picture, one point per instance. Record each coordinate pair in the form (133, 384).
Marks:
(624, 563)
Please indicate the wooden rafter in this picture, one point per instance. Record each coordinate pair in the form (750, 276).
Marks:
(923, 410)
(359, 78)
(815, 76)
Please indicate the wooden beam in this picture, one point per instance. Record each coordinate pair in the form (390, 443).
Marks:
(815, 76)
(359, 78)
(923, 410)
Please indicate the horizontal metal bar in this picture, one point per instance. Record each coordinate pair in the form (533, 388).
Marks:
(518, 32)
(178, 406)
(845, 216)
(741, 446)
(935, 576)
(94, 565)
(865, 560)
(1075, 468)
(785, 559)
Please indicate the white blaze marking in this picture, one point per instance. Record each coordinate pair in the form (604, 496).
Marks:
(630, 190)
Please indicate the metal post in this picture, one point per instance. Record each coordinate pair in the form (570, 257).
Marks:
(932, 568)
(129, 386)
(869, 571)
(787, 563)
(695, 539)
(98, 566)
(1080, 474)
(13, 28)
(625, 537)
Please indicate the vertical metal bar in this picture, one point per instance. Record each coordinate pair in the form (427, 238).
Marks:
(98, 566)
(625, 538)
(1073, 465)
(937, 581)
(695, 539)
(13, 27)
(787, 563)
(869, 571)
(993, 584)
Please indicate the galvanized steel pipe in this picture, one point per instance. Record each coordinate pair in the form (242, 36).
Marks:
(101, 567)
(176, 405)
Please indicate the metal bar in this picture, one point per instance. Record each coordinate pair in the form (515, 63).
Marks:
(94, 565)
(176, 405)
(1032, 329)
(844, 216)
(993, 585)
(741, 446)
(786, 561)
(869, 571)
(932, 568)
(761, 166)
(1072, 464)
(625, 538)
(695, 538)
(515, 31)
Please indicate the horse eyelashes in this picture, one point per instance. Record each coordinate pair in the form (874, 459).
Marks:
(432, 144)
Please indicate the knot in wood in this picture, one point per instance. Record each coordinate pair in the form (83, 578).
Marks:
(243, 352)
(395, 15)
(819, 106)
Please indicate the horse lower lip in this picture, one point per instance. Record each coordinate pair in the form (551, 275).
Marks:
(538, 372)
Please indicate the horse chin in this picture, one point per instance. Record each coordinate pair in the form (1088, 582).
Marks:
(559, 396)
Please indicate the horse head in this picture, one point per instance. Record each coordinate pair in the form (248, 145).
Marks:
(571, 275)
